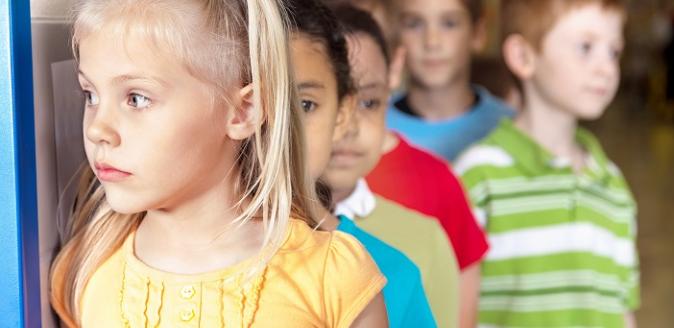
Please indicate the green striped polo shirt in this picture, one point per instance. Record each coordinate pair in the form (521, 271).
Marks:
(562, 244)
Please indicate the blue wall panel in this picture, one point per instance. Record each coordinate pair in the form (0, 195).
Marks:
(19, 251)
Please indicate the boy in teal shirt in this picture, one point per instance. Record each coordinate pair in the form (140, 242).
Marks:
(559, 215)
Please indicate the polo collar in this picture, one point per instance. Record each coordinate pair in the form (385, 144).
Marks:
(359, 204)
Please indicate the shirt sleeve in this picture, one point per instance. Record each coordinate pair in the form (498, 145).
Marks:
(417, 310)
(633, 301)
(631, 284)
(475, 184)
(351, 280)
(470, 241)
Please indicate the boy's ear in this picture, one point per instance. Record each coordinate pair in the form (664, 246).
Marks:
(244, 117)
(395, 71)
(519, 56)
(479, 41)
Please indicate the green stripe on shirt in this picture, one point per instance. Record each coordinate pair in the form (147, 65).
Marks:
(562, 244)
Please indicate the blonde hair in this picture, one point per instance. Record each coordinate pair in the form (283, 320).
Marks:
(227, 43)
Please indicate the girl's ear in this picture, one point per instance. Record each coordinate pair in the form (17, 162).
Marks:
(244, 117)
(519, 56)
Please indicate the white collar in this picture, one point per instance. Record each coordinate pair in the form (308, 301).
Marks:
(359, 204)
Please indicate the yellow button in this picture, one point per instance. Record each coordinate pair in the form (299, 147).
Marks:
(186, 315)
(187, 292)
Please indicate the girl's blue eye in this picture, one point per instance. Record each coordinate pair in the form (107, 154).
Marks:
(138, 101)
(90, 98)
(308, 106)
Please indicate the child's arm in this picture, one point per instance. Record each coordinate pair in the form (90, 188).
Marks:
(630, 320)
(374, 315)
(470, 291)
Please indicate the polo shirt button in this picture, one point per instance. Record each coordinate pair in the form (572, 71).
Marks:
(186, 315)
(187, 292)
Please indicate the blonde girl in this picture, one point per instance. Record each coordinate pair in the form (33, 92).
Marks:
(194, 209)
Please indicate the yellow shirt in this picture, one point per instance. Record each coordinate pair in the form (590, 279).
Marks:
(316, 279)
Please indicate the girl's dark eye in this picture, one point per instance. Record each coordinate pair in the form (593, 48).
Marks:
(585, 48)
(369, 103)
(412, 23)
(138, 101)
(308, 106)
(90, 98)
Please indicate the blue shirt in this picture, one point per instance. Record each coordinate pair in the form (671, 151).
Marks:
(448, 138)
(406, 303)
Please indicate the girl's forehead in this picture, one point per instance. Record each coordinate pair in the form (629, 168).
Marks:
(119, 59)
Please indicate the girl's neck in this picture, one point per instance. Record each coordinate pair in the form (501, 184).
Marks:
(328, 221)
(436, 104)
(552, 128)
(391, 141)
(340, 195)
(198, 235)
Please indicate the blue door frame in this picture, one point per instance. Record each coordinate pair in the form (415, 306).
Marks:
(19, 248)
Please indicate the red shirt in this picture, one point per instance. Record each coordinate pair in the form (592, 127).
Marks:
(420, 181)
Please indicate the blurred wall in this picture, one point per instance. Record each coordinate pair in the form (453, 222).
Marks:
(50, 31)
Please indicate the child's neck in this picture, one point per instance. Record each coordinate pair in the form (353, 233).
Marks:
(339, 195)
(436, 104)
(391, 141)
(552, 128)
(197, 236)
(328, 221)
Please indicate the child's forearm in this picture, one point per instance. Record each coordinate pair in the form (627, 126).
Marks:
(470, 290)
(630, 320)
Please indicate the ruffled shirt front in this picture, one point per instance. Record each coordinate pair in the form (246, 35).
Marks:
(316, 279)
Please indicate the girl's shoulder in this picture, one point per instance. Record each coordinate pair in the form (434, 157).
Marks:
(322, 249)
(333, 266)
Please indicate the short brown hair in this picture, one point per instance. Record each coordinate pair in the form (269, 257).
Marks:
(533, 19)
(475, 8)
(390, 10)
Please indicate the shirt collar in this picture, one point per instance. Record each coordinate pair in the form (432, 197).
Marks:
(359, 204)
(534, 159)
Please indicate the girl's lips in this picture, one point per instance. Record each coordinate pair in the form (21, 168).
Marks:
(345, 158)
(109, 173)
(346, 152)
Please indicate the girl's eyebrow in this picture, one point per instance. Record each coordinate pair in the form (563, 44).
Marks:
(310, 85)
(127, 77)
(371, 86)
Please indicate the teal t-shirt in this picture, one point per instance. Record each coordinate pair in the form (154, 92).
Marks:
(406, 303)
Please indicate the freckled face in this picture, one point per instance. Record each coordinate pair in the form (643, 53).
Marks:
(578, 68)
